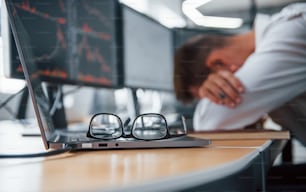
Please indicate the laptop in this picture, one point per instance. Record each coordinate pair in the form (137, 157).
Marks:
(63, 138)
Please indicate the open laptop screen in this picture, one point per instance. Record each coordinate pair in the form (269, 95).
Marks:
(66, 41)
(34, 83)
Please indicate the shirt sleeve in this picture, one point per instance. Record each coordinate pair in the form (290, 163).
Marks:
(274, 74)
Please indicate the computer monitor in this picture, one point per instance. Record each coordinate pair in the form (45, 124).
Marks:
(73, 41)
(148, 52)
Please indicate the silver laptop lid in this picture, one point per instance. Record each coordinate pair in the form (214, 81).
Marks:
(39, 98)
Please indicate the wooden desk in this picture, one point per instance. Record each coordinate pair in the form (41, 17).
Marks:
(126, 170)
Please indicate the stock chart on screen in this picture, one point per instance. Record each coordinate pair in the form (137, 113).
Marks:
(73, 41)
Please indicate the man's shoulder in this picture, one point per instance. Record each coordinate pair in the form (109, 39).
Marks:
(290, 11)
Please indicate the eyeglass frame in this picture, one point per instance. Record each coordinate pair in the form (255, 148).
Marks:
(123, 135)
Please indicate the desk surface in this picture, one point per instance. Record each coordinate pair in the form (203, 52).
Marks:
(155, 169)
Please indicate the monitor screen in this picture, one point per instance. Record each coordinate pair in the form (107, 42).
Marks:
(73, 41)
(148, 52)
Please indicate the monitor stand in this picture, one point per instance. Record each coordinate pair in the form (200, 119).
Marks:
(135, 102)
(59, 115)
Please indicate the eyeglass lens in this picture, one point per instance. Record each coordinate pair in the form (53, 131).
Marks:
(149, 127)
(179, 128)
(106, 126)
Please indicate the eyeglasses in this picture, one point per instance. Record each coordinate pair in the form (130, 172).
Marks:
(150, 126)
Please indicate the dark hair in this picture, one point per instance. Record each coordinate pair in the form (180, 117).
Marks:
(189, 63)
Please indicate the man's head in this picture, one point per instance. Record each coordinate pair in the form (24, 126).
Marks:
(190, 67)
(204, 54)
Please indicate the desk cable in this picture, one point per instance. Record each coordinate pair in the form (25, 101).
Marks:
(33, 155)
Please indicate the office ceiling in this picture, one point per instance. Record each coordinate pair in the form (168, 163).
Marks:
(241, 8)
(219, 8)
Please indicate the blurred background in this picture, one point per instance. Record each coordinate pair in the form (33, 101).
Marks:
(152, 30)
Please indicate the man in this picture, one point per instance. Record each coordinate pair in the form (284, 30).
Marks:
(240, 78)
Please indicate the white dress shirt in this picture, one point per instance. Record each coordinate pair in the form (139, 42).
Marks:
(274, 74)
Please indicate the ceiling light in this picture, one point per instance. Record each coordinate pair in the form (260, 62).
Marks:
(190, 9)
(169, 18)
(140, 6)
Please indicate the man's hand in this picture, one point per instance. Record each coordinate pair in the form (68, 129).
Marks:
(222, 87)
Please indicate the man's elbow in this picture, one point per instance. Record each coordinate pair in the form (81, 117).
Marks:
(207, 117)
(212, 117)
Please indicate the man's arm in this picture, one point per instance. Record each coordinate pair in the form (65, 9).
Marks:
(273, 75)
